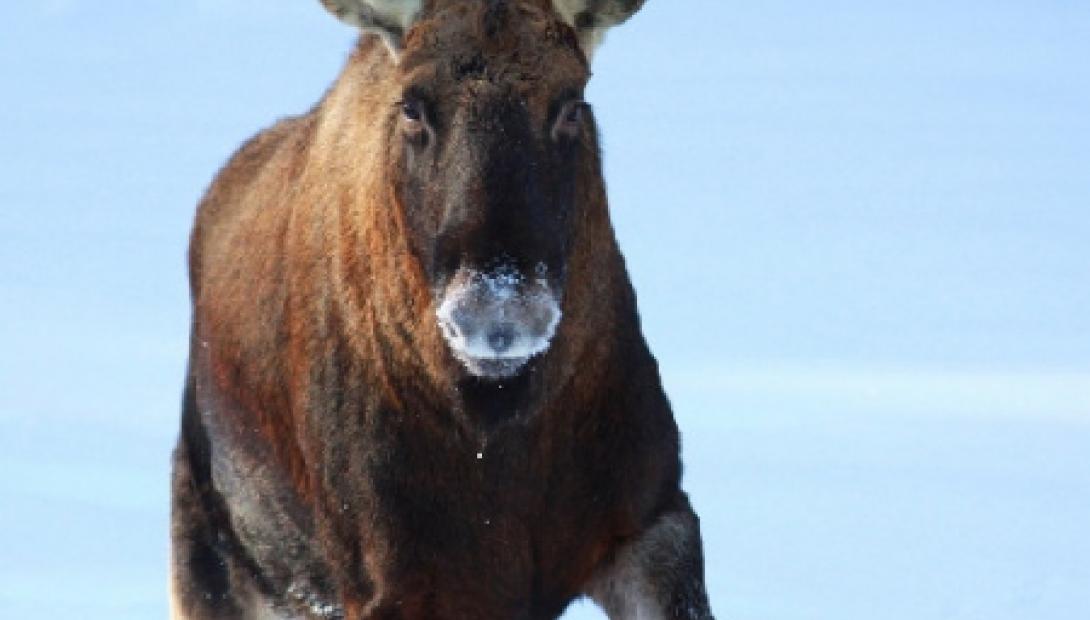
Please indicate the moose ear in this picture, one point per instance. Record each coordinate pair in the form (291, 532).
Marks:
(390, 19)
(592, 18)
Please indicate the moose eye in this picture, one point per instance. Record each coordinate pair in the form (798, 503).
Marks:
(569, 123)
(412, 120)
(411, 111)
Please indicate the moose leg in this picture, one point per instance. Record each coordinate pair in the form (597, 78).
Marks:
(658, 575)
(201, 584)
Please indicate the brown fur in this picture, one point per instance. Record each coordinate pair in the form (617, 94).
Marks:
(331, 454)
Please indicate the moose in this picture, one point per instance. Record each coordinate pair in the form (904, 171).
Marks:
(417, 385)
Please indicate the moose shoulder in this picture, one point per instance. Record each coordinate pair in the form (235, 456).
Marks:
(417, 386)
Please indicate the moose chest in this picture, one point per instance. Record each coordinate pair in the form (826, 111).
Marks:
(511, 519)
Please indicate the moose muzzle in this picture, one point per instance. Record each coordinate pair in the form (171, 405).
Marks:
(495, 321)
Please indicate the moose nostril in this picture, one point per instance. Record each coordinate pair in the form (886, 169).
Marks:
(501, 337)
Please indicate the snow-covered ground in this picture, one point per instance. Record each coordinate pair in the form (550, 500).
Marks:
(858, 233)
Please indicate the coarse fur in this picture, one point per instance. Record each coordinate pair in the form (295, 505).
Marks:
(336, 458)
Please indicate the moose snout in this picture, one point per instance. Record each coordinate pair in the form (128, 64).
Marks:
(495, 322)
(498, 336)
(459, 323)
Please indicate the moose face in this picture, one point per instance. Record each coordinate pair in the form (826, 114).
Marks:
(489, 141)
(491, 132)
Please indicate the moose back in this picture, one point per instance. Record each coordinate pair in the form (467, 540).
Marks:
(417, 386)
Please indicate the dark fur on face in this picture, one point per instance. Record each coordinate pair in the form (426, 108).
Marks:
(490, 135)
(480, 171)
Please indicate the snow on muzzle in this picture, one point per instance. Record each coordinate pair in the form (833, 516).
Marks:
(495, 322)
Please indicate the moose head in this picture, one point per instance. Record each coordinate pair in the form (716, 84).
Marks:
(490, 147)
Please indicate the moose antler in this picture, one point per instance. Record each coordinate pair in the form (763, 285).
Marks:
(592, 18)
(389, 19)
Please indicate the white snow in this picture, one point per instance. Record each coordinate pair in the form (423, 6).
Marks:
(470, 311)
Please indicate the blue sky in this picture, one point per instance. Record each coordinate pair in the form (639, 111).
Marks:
(858, 232)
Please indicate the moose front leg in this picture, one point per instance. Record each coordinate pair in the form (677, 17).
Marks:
(658, 575)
